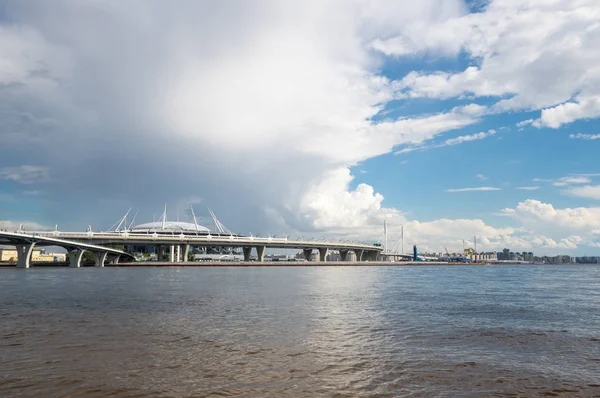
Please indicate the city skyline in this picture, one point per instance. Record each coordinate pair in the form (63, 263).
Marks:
(449, 118)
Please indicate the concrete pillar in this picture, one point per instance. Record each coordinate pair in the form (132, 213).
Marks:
(75, 257)
(344, 255)
(359, 254)
(160, 253)
(114, 258)
(323, 254)
(260, 253)
(172, 257)
(100, 259)
(307, 254)
(24, 254)
(247, 253)
(370, 255)
(186, 253)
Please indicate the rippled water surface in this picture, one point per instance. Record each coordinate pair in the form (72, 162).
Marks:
(301, 331)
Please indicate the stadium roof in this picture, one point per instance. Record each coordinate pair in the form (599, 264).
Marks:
(169, 226)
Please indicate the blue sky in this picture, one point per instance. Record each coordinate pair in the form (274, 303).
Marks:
(512, 158)
(322, 118)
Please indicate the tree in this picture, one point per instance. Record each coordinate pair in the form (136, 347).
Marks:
(88, 257)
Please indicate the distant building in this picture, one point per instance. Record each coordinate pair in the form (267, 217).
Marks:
(527, 256)
(560, 259)
(587, 260)
(488, 256)
(37, 256)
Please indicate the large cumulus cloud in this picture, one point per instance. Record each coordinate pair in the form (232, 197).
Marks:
(242, 105)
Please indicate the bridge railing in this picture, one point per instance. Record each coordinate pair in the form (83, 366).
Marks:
(124, 236)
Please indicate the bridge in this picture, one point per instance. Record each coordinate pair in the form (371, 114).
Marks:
(179, 244)
(172, 241)
(25, 242)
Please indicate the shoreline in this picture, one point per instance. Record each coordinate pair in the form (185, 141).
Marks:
(319, 264)
(283, 264)
(286, 264)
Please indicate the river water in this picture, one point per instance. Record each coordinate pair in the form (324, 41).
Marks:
(451, 331)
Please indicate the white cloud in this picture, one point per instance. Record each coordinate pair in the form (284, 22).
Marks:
(473, 189)
(278, 95)
(25, 174)
(564, 181)
(481, 177)
(532, 188)
(411, 149)
(526, 54)
(535, 212)
(587, 191)
(568, 243)
(449, 142)
(582, 108)
(525, 123)
(331, 205)
(572, 179)
(553, 228)
(468, 138)
(581, 136)
(473, 109)
(27, 225)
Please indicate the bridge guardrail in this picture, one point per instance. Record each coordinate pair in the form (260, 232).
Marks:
(201, 238)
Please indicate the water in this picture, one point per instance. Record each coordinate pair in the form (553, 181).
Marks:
(301, 331)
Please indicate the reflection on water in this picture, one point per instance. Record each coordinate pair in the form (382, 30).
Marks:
(303, 331)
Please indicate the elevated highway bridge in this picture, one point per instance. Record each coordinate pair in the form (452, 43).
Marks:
(25, 242)
(178, 245)
(172, 241)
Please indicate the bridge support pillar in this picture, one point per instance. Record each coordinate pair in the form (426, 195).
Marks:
(370, 256)
(260, 253)
(344, 255)
(160, 253)
(359, 254)
(100, 259)
(323, 254)
(113, 258)
(24, 254)
(172, 254)
(307, 254)
(247, 253)
(185, 253)
(75, 257)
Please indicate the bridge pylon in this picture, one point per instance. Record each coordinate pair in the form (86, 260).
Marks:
(75, 257)
(24, 254)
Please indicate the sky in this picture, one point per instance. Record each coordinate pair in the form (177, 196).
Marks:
(449, 118)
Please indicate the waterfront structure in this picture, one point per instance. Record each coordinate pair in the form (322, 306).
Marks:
(175, 247)
(37, 256)
(24, 244)
(487, 256)
(173, 241)
(587, 260)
